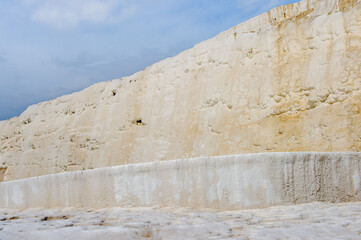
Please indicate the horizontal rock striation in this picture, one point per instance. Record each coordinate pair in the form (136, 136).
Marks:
(224, 183)
(287, 80)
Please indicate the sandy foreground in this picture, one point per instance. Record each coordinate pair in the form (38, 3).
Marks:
(306, 221)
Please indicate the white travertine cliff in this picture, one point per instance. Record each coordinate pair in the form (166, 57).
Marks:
(287, 80)
(224, 183)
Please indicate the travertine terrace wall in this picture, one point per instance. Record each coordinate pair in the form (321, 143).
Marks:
(224, 183)
(287, 80)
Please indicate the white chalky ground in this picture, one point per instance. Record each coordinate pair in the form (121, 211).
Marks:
(306, 221)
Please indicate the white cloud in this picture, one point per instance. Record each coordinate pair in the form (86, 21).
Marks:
(63, 14)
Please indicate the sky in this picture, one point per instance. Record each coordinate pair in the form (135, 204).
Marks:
(49, 48)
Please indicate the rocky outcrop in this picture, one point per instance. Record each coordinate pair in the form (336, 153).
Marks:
(287, 80)
(224, 183)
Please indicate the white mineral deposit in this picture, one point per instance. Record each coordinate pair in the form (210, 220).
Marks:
(253, 134)
(306, 221)
(229, 182)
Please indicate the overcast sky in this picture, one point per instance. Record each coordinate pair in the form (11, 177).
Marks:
(49, 48)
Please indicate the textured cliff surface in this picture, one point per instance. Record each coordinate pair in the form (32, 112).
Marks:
(287, 80)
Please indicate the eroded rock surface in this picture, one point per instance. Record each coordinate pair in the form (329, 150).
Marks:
(287, 80)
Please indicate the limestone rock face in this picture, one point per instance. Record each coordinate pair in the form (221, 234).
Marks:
(287, 80)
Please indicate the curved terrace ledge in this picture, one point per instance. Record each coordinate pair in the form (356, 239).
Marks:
(223, 182)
